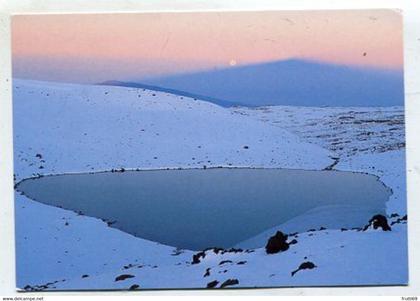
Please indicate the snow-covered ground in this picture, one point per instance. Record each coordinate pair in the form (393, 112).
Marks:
(370, 140)
(63, 128)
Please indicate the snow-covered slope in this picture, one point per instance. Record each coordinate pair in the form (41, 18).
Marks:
(370, 140)
(76, 128)
(61, 128)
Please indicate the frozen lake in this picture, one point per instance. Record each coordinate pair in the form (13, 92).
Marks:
(221, 207)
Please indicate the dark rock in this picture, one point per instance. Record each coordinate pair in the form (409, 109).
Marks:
(134, 287)
(246, 147)
(399, 220)
(207, 273)
(241, 262)
(198, 256)
(307, 265)
(85, 276)
(212, 284)
(177, 252)
(277, 243)
(225, 261)
(110, 223)
(378, 221)
(123, 277)
(229, 282)
(293, 242)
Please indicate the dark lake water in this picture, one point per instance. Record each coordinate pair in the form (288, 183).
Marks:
(199, 208)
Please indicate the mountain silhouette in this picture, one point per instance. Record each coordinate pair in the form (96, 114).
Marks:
(287, 82)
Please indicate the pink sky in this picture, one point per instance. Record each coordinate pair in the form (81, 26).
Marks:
(96, 47)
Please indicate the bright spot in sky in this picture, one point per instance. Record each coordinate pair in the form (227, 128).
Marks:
(232, 62)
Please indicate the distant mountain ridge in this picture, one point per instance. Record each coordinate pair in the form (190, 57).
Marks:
(287, 82)
(219, 102)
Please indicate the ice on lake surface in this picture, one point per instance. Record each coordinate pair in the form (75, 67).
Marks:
(218, 207)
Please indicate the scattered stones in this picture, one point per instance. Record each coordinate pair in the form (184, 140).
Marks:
(198, 256)
(128, 266)
(37, 288)
(223, 251)
(307, 265)
(399, 220)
